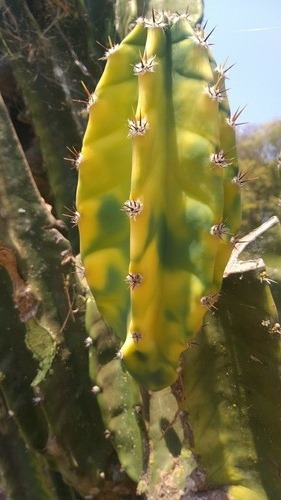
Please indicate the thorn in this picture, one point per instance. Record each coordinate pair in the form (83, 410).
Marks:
(88, 93)
(218, 82)
(209, 301)
(263, 276)
(91, 97)
(219, 230)
(76, 157)
(137, 126)
(95, 389)
(222, 70)
(81, 101)
(134, 280)
(208, 36)
(215, 92)
(200, 37)
(233, 119)
(101, 45)
(136, 336)
(145, 65)
(108, 51)
(88, 342)
(220, 160)
(107, 434)
(132, 208)
(240, 179)
(73, 216)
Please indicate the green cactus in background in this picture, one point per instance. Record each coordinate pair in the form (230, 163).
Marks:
(173, 171)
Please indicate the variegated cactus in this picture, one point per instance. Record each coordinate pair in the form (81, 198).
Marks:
(159, 148)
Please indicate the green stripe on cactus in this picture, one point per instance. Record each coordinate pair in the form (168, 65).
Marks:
(169, 176)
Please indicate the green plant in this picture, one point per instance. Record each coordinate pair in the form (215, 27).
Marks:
(73, 421)
(173, 171)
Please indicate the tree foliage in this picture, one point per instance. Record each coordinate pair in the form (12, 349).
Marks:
(259, 152)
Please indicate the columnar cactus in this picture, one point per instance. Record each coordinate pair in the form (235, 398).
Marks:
(160, 149)
(159, 211)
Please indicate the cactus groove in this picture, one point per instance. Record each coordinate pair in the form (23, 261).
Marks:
(159, 148)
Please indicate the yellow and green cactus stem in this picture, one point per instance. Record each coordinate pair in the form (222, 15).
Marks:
(157, 202)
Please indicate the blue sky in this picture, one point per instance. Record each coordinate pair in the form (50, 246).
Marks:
(255, 79)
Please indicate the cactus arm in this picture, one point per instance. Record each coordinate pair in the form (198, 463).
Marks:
(30, 70)
(235, 414)
(117, 393)
(45, 263)
(176, 198)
